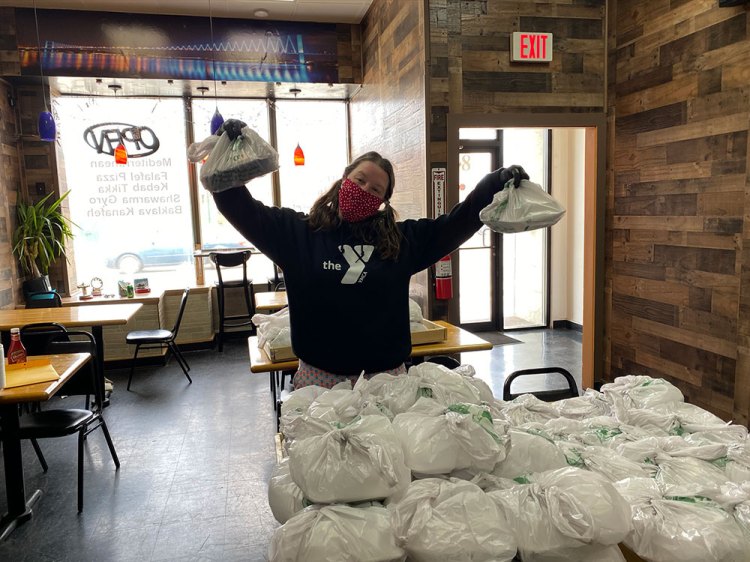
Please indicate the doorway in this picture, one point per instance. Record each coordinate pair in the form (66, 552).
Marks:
(508, 275)
(592, 128)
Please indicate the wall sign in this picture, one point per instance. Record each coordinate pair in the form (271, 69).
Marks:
(438, 190)
(527, 46)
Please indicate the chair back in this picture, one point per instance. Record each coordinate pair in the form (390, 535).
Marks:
(545, 395)
(49, 338)
(180, 312)
(231, 259)
(44, 299)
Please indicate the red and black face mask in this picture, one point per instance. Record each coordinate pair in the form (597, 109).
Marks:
(356, 204)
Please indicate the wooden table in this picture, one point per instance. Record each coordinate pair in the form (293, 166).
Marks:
(96, 315)
(457, 340)
(270, 301)
(19, 508)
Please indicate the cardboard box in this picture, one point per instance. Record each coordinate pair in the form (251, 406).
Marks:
(433, 334)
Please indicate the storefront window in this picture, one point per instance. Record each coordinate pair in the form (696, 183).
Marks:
(216, 232)
(319, 127)
(134, 219)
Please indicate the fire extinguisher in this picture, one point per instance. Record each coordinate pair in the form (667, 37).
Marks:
(444, 278)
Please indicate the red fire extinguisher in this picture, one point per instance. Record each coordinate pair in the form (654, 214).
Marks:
(444, 278)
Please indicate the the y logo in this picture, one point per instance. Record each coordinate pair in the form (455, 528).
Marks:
(356, 257)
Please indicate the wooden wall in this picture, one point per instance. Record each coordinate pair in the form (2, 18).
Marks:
(10, 182)
(678, 277)
(388, 114)
(470, 71)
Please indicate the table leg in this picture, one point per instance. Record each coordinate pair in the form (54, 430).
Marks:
(98, 334)
(19, 510)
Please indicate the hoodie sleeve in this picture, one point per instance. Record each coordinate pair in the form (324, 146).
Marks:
(431, 239)
(270, 229)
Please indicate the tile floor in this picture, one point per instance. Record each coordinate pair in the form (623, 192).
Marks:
(195, 461)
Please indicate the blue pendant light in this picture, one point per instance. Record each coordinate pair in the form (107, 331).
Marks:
(217, 120)
(47, 129)
(46, 125)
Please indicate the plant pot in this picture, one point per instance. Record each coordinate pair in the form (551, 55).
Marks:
(36, 285)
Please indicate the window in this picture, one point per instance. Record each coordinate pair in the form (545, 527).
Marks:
(134, 220)
(216, 232)
(320, 129)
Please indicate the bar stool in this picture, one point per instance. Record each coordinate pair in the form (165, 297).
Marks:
(229, 260)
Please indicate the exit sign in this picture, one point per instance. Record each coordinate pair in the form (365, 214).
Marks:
(531, 47)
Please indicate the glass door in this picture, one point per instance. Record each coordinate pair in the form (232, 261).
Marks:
(525, 254)
(503, 278)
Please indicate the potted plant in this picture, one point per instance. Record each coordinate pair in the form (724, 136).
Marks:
(39, 239)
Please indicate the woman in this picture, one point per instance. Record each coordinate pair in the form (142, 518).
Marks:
(347, 265)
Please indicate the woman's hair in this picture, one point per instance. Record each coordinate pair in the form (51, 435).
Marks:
(380, 230)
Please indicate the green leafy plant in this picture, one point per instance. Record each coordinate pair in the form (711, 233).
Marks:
(41, 234)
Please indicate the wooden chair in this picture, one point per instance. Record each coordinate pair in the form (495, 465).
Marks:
(158, 338)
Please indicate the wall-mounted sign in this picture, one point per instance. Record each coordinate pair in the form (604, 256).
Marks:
(528, 46)
(139, 141)
(438, 190)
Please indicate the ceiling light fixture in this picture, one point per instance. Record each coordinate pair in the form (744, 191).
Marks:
(299, 155)
(261, 13)
(121, 153)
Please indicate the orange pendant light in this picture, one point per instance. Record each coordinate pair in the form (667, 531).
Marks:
(121, 155)
(299, 156)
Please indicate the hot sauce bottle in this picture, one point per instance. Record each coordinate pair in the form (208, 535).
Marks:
(16, 351)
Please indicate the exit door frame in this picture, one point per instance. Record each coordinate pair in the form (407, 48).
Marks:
(595, 126)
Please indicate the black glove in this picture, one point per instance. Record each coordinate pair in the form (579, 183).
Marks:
(515, 173)
(232, 127)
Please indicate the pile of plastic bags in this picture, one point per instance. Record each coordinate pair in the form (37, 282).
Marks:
(429, 466)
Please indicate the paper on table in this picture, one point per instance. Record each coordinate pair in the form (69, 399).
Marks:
(32, 372)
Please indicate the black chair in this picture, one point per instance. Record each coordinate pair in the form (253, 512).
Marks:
(445, 360)
(50, 339)
(158, 338)
(546, 395)
(45, 299)
(229, 260)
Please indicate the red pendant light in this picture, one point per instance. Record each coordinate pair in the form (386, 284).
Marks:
(299, 156)
(121, 155)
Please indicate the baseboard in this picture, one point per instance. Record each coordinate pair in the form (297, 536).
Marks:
(566, 325)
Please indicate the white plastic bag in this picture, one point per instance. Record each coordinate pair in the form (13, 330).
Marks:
(236, 162)
(461, 436)
(337, 532)
(526, 207)
(564, 508)
(451, 520)
(284, 496)
(359, 461)
(680, 528)
(529, 452)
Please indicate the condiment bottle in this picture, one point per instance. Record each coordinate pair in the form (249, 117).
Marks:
(2, 367)
(16, 351)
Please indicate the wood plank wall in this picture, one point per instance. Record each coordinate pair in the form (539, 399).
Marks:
(470, 71)
(388, 114)
(679, 203)
(10, 181)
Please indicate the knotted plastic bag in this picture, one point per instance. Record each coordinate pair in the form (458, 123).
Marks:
(526, 207)
(233, 162)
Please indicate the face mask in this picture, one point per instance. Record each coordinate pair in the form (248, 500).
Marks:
(356, 204)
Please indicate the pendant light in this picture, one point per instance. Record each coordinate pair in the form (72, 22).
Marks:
(299, 155)
(46, 125)
(121, 153)
(217, 120)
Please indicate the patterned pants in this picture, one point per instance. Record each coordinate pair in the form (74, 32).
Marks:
(307, 375)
